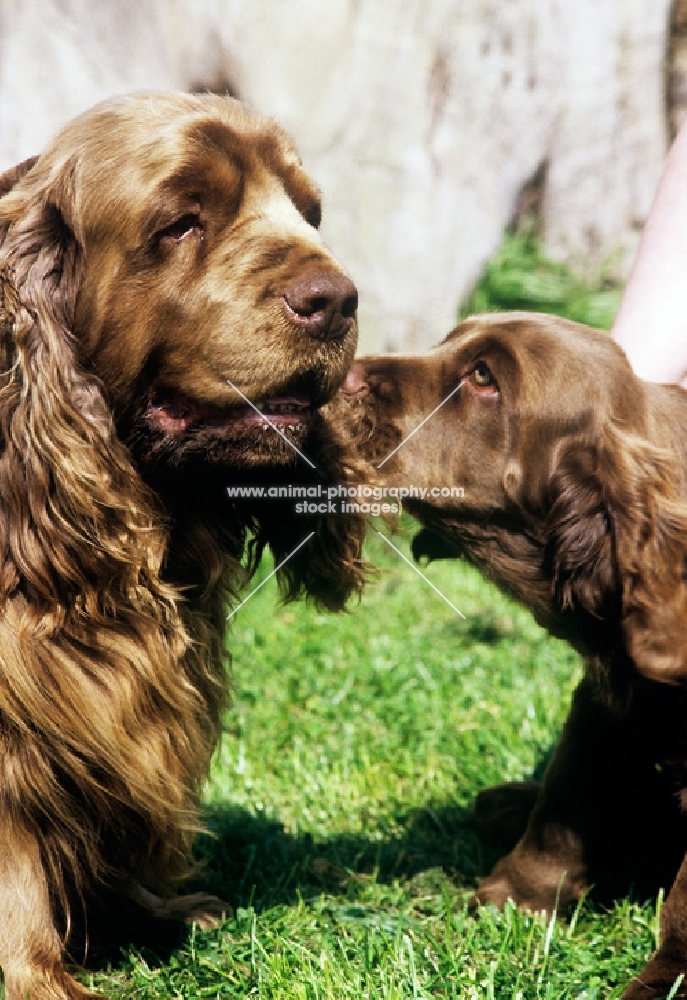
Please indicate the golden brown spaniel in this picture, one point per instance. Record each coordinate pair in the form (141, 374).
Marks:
(160, 271)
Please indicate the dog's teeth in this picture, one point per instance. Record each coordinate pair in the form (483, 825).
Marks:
(283, 407)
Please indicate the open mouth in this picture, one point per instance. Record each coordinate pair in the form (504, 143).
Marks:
(174, 413)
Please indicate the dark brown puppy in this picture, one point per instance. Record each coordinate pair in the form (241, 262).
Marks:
(159, 262)
(575, 504)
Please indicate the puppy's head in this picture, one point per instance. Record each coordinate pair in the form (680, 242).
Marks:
(571, 474)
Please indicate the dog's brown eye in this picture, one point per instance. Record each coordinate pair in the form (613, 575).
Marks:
(482, 375)
(181, 228)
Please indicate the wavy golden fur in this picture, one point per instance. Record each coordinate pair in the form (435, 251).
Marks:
(160, 248)
(575, 503)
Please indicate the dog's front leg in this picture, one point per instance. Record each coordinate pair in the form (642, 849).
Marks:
(605, 815)
(670, 961)
(30, 945)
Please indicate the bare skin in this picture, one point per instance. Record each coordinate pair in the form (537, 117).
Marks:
(651, 325)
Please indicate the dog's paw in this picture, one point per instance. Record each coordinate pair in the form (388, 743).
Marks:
(199, 908)
(658, 979)
(534, 882)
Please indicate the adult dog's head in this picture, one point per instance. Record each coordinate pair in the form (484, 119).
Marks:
(572, 472)
(168, 298)
(179, 237)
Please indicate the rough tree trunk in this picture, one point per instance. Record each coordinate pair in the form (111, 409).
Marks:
(423, 122)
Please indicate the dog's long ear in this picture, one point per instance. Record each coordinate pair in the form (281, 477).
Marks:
(617, 534)
(650, 527)
(74, 511)
(81, 550)
(579, 554)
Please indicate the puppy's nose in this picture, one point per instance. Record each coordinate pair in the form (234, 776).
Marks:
(323, 305)
(355, 383)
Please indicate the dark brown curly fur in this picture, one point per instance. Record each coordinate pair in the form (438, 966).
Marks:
(146, 257)
(575, 503)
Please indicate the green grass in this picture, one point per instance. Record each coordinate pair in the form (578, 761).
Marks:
(339, 800)
(521, 276)
(340, 804)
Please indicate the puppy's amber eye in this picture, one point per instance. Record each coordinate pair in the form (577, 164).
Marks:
(482, 376)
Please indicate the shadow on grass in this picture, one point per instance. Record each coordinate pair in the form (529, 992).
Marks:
(254, 861)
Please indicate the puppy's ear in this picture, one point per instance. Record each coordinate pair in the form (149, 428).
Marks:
(650, 531)
(617, 534)
(579, 550)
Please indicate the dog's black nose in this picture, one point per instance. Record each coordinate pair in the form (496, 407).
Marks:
(323, 305)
